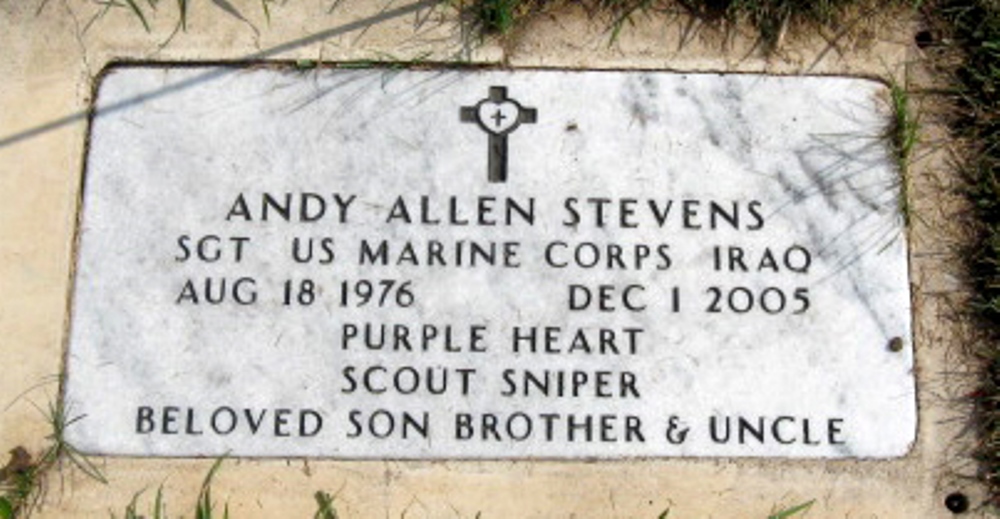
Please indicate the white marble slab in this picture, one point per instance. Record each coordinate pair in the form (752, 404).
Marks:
(625, 186)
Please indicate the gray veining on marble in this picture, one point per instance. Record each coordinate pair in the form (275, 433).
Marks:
(632, 181)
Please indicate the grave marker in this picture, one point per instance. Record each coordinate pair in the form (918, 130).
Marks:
(283, 264)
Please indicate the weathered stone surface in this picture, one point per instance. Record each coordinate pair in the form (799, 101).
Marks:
(699, 265)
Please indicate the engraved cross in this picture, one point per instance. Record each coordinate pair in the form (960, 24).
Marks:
(498, 116)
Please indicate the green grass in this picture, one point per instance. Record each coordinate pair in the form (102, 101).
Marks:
(974, 27)
(24, 476)
(324, 506)
(771, 18)
(205, 506)
(138, 12)
(132, 509)
(20, 484)
(902, 135)
(144, 10)
(498, 15)
(793, 511)
(905, 123)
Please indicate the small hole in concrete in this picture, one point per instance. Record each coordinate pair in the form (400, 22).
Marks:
(896, 344)
(957, 503)
(924, 39)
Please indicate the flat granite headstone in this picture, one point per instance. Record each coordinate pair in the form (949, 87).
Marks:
(490, 264)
